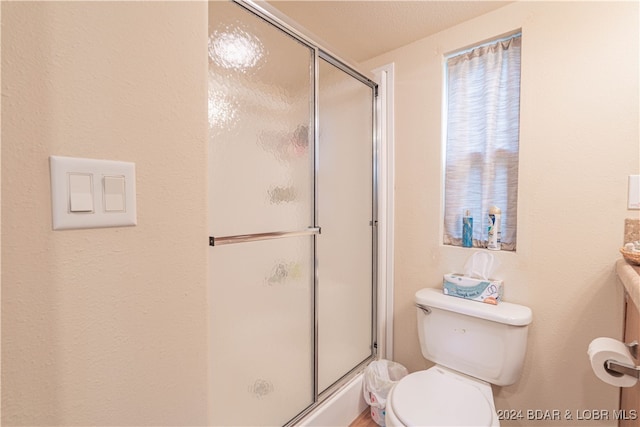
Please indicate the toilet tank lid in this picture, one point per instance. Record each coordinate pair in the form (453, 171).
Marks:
(503, 312)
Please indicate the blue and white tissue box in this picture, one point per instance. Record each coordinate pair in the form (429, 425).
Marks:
(484, 290)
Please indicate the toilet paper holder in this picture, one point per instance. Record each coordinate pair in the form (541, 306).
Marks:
(618, 368)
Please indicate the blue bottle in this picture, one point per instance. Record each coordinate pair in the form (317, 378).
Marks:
(467, 230)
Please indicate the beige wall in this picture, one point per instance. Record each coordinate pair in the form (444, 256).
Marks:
(579, 142)
(105, 326)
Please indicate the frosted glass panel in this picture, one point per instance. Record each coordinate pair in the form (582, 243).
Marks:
(261, 326)
(345, 211)
(279, 306)
(261, 125)
(261, 180)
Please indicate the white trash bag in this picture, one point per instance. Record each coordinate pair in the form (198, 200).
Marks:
(379, 377)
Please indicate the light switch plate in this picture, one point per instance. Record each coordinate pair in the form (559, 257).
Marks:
(634, 192)
(119, 189)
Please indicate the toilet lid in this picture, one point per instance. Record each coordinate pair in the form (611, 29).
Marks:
(438, 398)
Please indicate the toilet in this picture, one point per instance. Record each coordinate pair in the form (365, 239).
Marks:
(473, 345)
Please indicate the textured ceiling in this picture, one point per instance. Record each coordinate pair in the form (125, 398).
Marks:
(359, 30)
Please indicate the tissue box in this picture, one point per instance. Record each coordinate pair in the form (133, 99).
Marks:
(458, 285)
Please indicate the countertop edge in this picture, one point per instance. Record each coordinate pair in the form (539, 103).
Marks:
(629, 275)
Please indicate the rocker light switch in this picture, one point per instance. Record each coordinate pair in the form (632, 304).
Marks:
(634, 192)
(92, 193)
(80, 193)
(114, 200)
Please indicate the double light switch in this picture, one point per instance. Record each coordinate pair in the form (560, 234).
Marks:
(90, 193)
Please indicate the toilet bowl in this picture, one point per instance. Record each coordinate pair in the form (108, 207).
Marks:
(440, 397)
(473, 346)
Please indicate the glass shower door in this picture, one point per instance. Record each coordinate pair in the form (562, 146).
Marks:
(261, 112)
(291, 219)
(345, 212)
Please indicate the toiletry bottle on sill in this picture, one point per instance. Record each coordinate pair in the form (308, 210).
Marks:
(467, 230)
(494, 239)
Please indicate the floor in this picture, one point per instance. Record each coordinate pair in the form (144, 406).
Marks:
(364, 420)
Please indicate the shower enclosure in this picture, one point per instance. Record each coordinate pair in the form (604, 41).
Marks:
(292, 219)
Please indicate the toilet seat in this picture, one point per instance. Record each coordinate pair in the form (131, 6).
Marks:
(439, 397)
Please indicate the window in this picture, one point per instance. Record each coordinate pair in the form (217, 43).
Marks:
(482, 138)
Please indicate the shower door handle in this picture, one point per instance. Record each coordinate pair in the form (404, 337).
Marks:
(242, 238)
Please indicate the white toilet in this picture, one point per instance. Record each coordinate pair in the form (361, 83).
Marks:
(473, 345)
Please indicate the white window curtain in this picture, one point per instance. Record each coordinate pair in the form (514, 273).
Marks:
(482, 138)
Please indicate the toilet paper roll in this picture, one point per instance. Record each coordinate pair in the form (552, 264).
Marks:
(603, 349)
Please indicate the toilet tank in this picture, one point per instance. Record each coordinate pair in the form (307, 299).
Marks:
(484, 341)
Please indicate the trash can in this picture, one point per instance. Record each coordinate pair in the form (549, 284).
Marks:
(379, 377)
